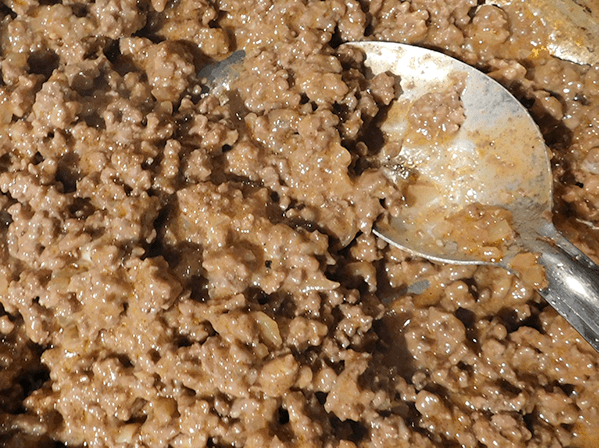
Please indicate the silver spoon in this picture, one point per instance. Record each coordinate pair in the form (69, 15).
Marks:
(497, 158)
(219, 76)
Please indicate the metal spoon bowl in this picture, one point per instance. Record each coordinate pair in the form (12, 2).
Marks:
(497, 158)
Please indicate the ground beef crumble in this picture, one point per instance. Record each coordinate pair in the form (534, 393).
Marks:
(180, 272)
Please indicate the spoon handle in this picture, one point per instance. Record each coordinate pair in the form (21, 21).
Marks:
(573, 280)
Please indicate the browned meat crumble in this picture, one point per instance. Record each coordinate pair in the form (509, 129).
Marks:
(177, 272)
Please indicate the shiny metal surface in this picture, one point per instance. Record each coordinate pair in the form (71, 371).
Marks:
(498, 158)
(218, 76)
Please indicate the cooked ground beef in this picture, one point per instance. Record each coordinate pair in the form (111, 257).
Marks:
(177, 271)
